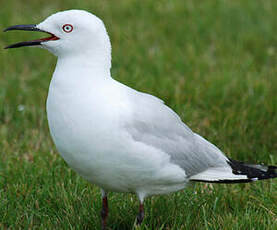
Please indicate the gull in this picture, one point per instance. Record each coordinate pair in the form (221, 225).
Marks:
(117, 138)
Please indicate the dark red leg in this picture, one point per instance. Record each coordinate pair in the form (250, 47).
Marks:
(140, 215)
(104, 211)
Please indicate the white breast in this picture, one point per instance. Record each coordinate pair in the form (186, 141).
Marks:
(86, 121)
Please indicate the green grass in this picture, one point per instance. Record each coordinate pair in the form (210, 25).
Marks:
(213, 62)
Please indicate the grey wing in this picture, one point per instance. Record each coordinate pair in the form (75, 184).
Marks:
(155, 124)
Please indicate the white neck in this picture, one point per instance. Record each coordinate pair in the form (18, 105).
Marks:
(91, 57)
(84, 63)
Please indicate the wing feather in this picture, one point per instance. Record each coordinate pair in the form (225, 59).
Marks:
(155, 124)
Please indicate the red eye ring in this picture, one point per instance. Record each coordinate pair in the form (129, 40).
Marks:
(67, 28)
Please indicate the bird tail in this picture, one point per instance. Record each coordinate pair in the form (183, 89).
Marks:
(236, 172)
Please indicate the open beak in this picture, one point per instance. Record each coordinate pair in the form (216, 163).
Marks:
(33, 42)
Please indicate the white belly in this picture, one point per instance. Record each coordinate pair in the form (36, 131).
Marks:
(86, 133)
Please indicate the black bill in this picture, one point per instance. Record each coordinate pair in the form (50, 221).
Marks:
(35, 42)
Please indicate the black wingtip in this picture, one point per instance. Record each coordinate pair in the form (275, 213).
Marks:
(240, 181)
(253, 172)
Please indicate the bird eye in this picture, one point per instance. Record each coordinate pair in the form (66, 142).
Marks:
(67, 28)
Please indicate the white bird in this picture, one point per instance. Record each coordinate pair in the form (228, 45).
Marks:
(116, 137)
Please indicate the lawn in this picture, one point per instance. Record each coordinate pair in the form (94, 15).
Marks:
(213, 62)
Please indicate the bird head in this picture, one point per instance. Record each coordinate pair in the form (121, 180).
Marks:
(71, 32)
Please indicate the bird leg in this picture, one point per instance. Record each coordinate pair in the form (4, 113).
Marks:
(140, 215)
(104, 211)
